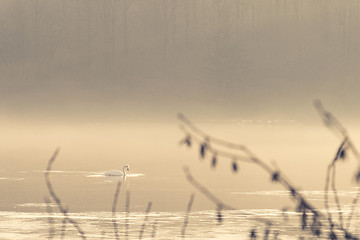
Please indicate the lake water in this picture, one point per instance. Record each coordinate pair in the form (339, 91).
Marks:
(156, 161)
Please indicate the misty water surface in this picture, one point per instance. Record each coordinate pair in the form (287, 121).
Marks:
(104, 80)
(156, 160)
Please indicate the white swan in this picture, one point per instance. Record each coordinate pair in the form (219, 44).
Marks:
(118, 173)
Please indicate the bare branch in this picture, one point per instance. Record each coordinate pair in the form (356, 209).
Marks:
(331, 122)
(50, 219)
(113, 210)
(204, 191)
(127, 210)
(220, 204)
(153, 233)
(186, 219)
(57, 199)
(145, 220)
(194, 133)
(336, 197)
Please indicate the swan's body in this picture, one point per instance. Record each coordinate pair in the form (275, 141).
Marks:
(118, 173)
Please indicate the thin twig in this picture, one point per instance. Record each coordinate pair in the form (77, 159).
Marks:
(197, 134)
(145, 220)
(217, 152)
(113, 210)
(353, 204)
(297, 196)
(326, 194)
(220, 204)
(331, 177)
(204, 191)
(153, 233)
(50, 219)
(127, 210)
(63, 226)
(332, 123)
(57, 199)
(329, 119)
(186, 218)
(202, 134)
(254, 159)
(336, 196)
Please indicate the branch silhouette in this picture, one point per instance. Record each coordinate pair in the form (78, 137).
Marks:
(57, 199)
(186, 219)
(127, 210)
(220, 204)
(210, 144)
(339, 130)
(142, 230)
(113, 210)
(50, 219)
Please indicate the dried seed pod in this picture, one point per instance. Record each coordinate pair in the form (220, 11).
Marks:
(214, 161)
(203, 148)
(253, 233)
(292, 192)
(187, 141)
(342, 154)
(332, 236)
(219, 214)
(275, 176)
(348, 236)
(316, 226)
(234, 165)
(317, 232)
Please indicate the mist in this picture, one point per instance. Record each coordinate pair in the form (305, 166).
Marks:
(107, 83)
(95, 61)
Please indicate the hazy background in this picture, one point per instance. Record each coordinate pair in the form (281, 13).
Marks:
(104, 79)
(126, 60)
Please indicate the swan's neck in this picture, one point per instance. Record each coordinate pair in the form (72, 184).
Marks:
(124, 171)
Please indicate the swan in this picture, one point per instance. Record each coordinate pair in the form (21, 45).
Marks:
(118, 173)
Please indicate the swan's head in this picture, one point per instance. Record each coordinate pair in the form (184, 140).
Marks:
(126, 168)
